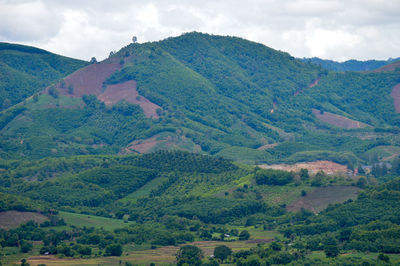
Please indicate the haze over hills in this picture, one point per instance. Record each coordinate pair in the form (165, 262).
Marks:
(213, 94)
(350, 65)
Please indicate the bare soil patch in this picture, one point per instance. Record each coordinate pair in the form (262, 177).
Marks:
(320, 198)
(267, 146)
(88, 80)
(330, 168)
(338, 120)
(313, 84)
(12, 219)
(396, 97)
(143, 146)
(127, 91)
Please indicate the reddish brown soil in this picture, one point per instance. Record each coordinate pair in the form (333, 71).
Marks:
(396, 97)
(328, 167)
(12, 219)
(338, 120)
(267, 146)
(314, 83)
(318, 199)
(142, 146)
(88, 80)
(127, 91)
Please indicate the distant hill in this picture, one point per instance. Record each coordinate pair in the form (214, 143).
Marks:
(218, 95)
(350, 65)
(25, 70)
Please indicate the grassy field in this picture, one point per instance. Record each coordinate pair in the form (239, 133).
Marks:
(92, 221)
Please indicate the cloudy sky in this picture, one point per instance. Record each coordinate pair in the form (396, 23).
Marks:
(332, 29)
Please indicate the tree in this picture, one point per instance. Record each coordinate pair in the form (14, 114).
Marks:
(384, 258)
(113, 250)
(222, 252)
(6, 103)
(24, 262)
(53, 92)
(244, 235)
(25, 246)
(304, 174)
(330, 247)
(93, 60)
(134, 39)
(190, 255)
(361, 182)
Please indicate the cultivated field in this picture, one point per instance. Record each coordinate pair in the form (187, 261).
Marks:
(12, 219)
(318, 199)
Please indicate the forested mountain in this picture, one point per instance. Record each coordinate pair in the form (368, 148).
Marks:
(25, 70)
(130, 159)
(350, 65)
(214, 94)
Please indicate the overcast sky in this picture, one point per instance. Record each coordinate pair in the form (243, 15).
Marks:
(332, 29)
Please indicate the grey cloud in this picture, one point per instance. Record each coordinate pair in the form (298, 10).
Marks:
(336, 29)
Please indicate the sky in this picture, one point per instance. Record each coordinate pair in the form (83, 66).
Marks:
(331, 29)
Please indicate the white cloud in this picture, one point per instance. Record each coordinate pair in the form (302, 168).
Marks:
(27, 21)
(336, 29)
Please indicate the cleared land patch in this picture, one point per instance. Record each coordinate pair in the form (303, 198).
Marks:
(12, 219)
(328, 167)
(318, 199)
(127, 91)
(338, 120)
(396, 97)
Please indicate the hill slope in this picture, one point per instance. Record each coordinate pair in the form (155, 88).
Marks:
(214, 94)
(25, 70)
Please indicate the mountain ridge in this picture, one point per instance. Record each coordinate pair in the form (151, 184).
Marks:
(216, 95)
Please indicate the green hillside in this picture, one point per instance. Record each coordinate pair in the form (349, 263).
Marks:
(25, 70)
(218, 95)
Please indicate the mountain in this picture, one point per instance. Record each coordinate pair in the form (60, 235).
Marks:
(350, 65)
(25, 70)
(218, 95)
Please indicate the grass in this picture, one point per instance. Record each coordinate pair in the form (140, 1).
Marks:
(92, 221)
(45, 100)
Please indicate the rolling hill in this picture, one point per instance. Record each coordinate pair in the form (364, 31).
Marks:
(25, 70)
(218, 95)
